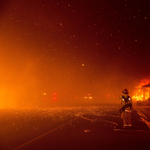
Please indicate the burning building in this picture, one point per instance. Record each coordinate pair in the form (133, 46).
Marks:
(146, 91)
(142, 93)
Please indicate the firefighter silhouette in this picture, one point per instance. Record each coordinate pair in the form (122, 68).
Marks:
(126, 103)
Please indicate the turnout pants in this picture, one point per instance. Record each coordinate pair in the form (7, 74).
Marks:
(126, 116)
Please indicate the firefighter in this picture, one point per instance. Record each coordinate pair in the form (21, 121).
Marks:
(126, 108)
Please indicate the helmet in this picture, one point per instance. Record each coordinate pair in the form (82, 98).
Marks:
(125, 91)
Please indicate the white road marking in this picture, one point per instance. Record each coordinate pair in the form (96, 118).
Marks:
(43, 135)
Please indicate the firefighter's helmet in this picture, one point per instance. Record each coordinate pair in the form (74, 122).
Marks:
(125, 91)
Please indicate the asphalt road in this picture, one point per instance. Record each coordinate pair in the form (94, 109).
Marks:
(71, 128)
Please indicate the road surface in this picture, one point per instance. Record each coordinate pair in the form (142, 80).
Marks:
(71, 128)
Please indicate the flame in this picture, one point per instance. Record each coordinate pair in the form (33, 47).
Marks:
(139, 93)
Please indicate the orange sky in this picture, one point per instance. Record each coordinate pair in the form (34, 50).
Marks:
(49, 47)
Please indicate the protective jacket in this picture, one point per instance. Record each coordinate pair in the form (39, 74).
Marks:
(126, 103)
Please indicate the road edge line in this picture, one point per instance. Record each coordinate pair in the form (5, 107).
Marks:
(43, 134)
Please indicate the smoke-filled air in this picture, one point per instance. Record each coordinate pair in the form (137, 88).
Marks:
(70, 53)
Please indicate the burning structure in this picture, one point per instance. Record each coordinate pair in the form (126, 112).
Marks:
(146, 91)
(142, 93)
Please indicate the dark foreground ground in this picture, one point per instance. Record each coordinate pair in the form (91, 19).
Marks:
(72, 128)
